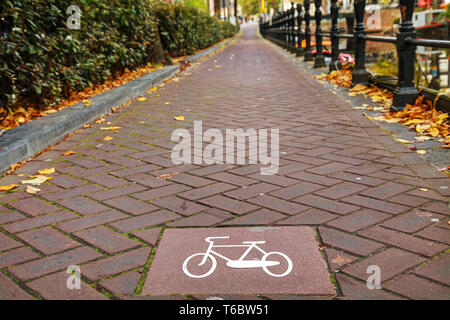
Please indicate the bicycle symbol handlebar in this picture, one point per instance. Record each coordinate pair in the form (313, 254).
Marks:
(209, 238)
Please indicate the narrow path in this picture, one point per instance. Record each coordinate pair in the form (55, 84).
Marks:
(371, 200)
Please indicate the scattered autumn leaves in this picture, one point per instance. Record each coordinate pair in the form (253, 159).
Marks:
(26, 112)
(378, 95)
(32, 181)
(425, 119)
(341, 77)
(8, 187)
(101, 119)
(422, 116)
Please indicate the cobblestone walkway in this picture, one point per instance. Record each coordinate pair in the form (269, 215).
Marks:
(370, 199)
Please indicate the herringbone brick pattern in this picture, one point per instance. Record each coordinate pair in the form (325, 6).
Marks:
(372, 200)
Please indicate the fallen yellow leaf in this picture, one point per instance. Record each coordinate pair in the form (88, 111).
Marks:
(167, 102)
(107, 138)
(441, 118)
(37, 180)
(67, 153)
(8, 187)
(358, 87)
(166, 176)
(413, 121)
(422, 138)
(110, 128)
(404, 141)
(434, 132)
(421, 128)
(421, 151)
(340, 260)
(379, 118)
(179, 118)
(377, 98)
(32, 190)
(142, 99)
(47, 171)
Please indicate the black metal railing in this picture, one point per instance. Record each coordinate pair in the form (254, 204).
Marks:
(286, 30)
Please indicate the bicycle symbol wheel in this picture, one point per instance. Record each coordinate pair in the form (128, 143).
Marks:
(210, 265)
(283, 256)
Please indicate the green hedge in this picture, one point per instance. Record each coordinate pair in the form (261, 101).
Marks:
(42, 61)
(183, 30)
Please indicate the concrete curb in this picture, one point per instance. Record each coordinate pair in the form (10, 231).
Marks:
(25, 141)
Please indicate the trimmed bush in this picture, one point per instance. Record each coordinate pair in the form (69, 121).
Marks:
(183, 30)
(42, 60)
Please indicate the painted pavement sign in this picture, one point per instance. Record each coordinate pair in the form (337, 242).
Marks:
(253, 260)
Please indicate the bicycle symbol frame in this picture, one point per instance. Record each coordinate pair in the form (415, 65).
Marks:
(241, 263)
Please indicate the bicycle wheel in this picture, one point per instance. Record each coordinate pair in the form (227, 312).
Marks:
(195, 260)
(285, 257)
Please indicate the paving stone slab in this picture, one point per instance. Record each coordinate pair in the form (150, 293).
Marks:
(54, 287)
(308, 274)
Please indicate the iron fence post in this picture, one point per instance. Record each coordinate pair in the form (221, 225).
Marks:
(405, 92)
(289, 27)
(308, 52)
(285, 28)
(335, 63)
(360, 74)
(299, 51)
(319, 60)
(292, 43)
(280, 33)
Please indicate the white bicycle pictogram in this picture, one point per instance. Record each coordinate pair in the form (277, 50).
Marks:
(240, 263)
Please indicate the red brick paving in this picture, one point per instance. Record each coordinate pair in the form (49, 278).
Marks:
(48, 240)
(371, 198)
(148, 235)
(15, 256)
(391, 262)
(11, 291)
(418, 288)
(106, 239)
(54, 287)
(123, 284)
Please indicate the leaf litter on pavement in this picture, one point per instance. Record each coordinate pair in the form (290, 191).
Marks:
(26, 112)
(33, 180)
(422, 116)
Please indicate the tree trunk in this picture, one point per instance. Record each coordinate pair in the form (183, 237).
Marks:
(157, 54)
(217, 8)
